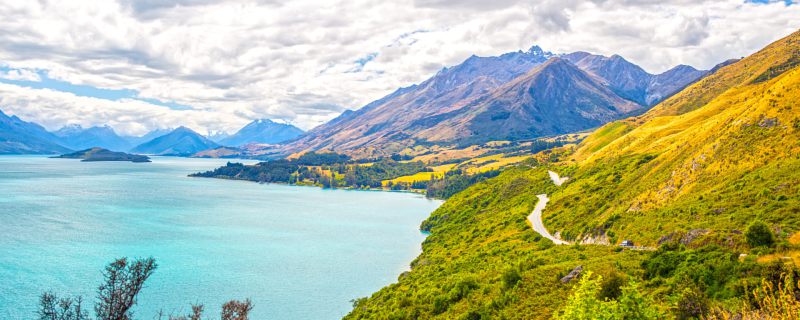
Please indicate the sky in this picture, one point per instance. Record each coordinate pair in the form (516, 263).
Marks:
(214, 66)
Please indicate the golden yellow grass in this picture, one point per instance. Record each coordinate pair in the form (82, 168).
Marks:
(789, 256)
(493, 162)
(419, 176)
(444, 155)
(795, 238)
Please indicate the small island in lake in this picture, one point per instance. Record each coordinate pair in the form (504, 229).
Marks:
(100, 154)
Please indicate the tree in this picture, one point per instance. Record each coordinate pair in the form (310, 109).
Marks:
(236, 310)
(197, 314)
(612, 286)
(692, 304)
(585, 303)
(758, 234)
(511, 277)
(117, 295)
(53, 308)
(634, 305)
(123, 281)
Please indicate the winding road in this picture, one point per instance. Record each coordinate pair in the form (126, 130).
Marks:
(556, 179)
(536, 220)
(536, 216)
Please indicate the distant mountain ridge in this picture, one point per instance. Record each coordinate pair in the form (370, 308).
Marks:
(533, 105)
(20, 137)
(631, 81)
(262, 131)
(77, 138)
(180, 142)
(466, 102)
(137, 140)
(517, 95)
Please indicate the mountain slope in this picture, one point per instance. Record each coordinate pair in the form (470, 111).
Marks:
(534, 105)
(687, 177)
(483, 261)
(20, 137)
(78, 138)
(137, 140)
(381, 126)
(180, 142)
(631, 81)
(714, 156)
(415, 115)
(262, 131)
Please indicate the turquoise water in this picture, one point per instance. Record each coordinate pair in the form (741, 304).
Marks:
(297, 252)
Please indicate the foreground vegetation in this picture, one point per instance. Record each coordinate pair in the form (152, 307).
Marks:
(116, 297)
(483, 261)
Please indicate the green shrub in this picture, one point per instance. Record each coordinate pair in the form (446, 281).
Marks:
(759, 235)
(612, 286)
(511, 277)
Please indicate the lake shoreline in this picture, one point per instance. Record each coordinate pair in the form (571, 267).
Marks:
(420, 191)
(238, 238)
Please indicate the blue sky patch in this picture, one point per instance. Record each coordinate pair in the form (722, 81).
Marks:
(361, 62)
(787, 2)
(85, 91)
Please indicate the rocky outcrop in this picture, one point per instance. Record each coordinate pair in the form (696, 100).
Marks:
(575, 273)
(684, 238)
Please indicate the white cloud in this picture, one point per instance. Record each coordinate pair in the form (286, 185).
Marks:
(52, 109)
(20, 75)
(297, 61)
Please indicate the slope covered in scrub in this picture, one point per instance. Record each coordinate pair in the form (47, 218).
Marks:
(700, 176)
(716, 167)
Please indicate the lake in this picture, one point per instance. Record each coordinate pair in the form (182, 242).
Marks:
(296, 252)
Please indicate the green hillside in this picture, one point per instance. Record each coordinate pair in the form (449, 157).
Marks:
(483, 259)
(717, 167)
(692, 177)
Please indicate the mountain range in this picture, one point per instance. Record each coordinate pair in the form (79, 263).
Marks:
(517, 95)
(77, 138)
(137, 140)
(262, 131)
(180, 142)
(19, 137)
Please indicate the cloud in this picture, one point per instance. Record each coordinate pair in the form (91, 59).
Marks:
(53, 109)
(20, 75)
(466, 4)
(306, 61)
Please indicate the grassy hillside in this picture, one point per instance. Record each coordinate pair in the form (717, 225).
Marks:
(716, 167)
(761, 66)
(482, 259)
(691, 177)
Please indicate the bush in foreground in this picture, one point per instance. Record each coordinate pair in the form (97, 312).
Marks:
(116, 296)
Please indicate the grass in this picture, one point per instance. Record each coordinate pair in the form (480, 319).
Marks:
(717, 167)
(476, 238)
(419, 176)
(492, 162)
(471, 166)
(445, 155)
